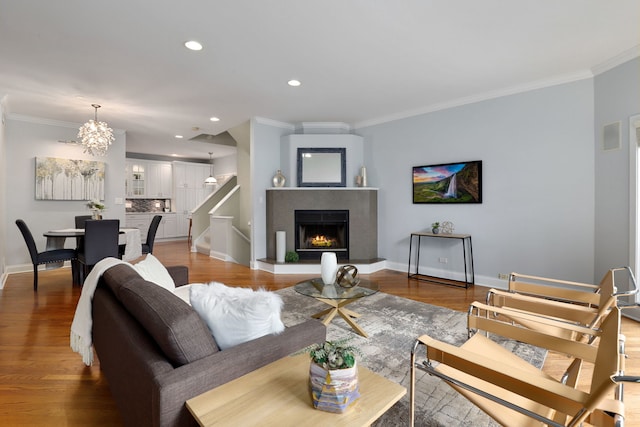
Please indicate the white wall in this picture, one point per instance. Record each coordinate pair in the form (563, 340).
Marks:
(265, 161)
(27, 139)
(3, 192)
(538, 184)
(224, 166)
(617, 98)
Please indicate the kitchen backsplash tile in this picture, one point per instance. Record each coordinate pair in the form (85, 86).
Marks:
(147, 205)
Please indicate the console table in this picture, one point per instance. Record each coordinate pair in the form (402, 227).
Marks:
(465, 239)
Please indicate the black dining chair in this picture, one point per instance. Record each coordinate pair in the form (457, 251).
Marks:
(147, 246)
(100, 241)
(80, 220)
(46, 257)
(78, 268)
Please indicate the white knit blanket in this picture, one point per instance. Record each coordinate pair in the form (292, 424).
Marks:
(81, 339)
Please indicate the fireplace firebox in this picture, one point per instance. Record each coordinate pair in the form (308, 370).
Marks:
(320, 231)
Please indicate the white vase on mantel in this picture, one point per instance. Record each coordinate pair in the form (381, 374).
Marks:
(328, 267)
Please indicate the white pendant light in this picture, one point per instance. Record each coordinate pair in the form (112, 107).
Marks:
(211, 180)
(95, 136)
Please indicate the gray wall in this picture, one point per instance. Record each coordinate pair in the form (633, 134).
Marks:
(617, 98)
(26, 140)
(537, 215)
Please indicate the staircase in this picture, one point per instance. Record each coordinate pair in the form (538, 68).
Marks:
(215, 228)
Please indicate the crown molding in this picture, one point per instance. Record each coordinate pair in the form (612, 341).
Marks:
(274, 123)
(328, 127)
(50, 122)
(527, 87)
(42, 121)
(619, 59)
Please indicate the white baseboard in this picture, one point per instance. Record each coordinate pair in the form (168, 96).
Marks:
(25, 268)
(221, 256)
(479, 280)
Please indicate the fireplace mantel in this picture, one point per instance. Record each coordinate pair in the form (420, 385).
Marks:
(362, 203)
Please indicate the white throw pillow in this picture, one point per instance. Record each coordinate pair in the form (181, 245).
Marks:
(152, 270)
(237, 315)
(182, 292)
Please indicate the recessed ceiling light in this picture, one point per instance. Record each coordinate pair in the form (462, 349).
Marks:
(179, 136)
(294, 83)
(214, 119)
(193, 45)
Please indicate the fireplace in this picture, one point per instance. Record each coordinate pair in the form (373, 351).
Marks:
(318, 231)
(361, 203)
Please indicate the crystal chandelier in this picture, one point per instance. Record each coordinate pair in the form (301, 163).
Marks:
(211, 180)
(96, 136)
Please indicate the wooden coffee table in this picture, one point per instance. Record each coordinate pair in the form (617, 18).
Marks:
(278, 394)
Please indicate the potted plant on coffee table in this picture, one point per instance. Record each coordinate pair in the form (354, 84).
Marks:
(333, 376)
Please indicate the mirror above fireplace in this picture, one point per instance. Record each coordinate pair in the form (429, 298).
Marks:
(322, 167)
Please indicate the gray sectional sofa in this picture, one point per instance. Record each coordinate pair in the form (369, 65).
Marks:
(156, 352)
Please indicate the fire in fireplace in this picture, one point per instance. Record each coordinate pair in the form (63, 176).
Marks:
(320, 231)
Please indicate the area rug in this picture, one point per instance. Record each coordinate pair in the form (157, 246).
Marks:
(393, 323)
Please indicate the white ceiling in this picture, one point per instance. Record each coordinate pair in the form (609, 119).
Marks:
(359, 61)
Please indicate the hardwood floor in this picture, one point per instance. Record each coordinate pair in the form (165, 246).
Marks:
(43, 383)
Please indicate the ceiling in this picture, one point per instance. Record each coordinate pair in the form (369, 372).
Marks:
(360, 61)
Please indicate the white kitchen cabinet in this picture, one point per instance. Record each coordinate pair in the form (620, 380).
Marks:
(189, 191)
(148, 180)
(136, 178)
(169, 226)
(180, 175)
(140, 221)
(166, 229)
(190, 175)
(182, 224)
(159, 180)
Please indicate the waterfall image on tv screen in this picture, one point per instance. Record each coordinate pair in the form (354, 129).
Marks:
(448, 183)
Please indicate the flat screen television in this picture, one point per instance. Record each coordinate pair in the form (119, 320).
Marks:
(448, 183)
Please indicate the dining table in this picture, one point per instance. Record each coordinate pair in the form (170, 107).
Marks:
(56, 239)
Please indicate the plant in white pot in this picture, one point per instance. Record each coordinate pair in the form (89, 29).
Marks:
(333, 376)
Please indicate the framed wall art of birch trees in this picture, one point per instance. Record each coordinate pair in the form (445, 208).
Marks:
(67, 179)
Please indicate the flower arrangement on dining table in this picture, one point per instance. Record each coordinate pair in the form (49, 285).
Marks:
(95, 204)
(96, 207)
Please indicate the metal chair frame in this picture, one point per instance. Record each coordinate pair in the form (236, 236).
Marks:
(560, 403)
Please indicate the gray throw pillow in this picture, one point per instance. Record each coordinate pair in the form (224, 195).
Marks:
(174, 325)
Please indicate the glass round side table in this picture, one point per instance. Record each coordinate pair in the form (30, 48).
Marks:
(337, 297)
